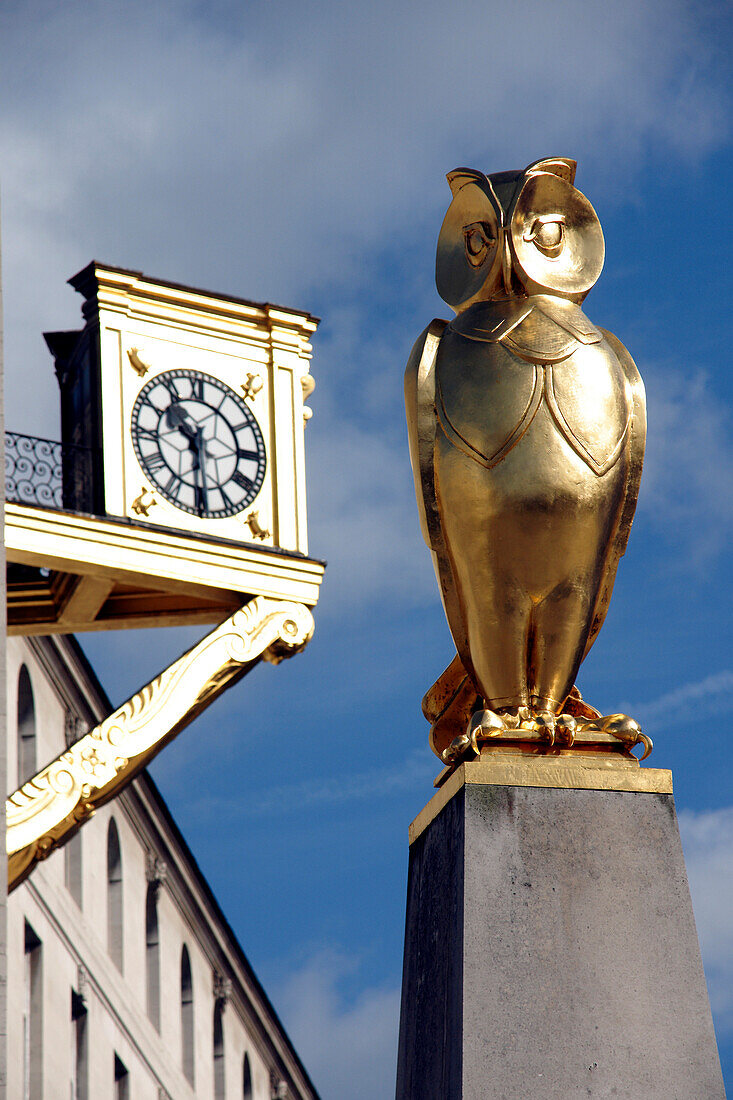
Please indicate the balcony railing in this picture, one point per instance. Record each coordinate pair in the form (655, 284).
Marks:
(46, 472)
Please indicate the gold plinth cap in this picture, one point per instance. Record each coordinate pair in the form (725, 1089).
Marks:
(567, 771)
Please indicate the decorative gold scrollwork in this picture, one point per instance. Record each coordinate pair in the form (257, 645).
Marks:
(50, 807)
(252, 386)
(138, 364)
(258, 531)
(142, 504)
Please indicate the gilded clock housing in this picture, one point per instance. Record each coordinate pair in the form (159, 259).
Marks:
(194, 404)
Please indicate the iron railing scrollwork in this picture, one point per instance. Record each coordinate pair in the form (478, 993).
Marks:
(46, 472)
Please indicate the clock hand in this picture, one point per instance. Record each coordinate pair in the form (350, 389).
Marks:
(177, 417)
(198, 444)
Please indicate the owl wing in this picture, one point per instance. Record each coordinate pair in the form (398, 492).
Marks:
(421, 427)
(636, 445)
(422, 424)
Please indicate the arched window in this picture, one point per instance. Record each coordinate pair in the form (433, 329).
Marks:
(246, 1079)
(79, 1048)
(186, 1016)
(26, 728)
(219, 1079)
(114, 895)
(73, 867)
(152, 954)
(32, 1016)
(122, 1079)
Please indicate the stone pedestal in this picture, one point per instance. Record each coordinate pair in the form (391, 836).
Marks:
(551, 950)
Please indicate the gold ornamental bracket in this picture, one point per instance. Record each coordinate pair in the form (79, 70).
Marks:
(47, 810)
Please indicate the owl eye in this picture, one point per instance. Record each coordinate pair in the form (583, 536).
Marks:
(548, 234)
(478, 240)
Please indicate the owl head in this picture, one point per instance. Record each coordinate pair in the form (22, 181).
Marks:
(518, 233)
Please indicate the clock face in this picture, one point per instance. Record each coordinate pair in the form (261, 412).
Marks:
(199, 443)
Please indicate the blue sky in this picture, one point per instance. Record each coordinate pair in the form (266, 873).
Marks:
(297, 153)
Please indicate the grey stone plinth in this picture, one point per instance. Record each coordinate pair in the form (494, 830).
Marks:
(551, 952)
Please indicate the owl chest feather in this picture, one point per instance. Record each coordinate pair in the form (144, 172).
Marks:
(493, 377)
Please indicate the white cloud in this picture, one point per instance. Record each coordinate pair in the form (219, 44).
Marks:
(364, 520)
(416, 771)
(698, 699)
(277, 148)
(348, 1046)
(708, 844)
(687, 487)
(271, 148)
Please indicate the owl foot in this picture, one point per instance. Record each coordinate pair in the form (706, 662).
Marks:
(551, 728)
(626, 729)
(525, 718)
(485, 725)
(558, 731)
(516, 718)
(460, 726)
(482, 725)
(544, 723)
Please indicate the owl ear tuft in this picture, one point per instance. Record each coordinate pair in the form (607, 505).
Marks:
(563, 167)
(459, 177)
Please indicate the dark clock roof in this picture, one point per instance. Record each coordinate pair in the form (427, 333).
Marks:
(85, 283)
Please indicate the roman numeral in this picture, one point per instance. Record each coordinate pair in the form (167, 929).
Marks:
(171, 387)
(147, 400)
(242, 480)
(248, 454)
(155, 461)
(168, 487)
(197, 388)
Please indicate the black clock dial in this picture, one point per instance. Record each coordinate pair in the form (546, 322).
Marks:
(199, 443)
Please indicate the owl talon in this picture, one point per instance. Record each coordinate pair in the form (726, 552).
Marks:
(648, 744)
(463, 747)
(486, 723)
(525, 719)
(626, 729)
(565, 728)
(545, 724)
(457, 749)
(482, 726)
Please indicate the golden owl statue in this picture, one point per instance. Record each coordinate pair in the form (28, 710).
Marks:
(527, 427)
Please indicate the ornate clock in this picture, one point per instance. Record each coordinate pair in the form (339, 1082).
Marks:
(192, 407)
(198, 443)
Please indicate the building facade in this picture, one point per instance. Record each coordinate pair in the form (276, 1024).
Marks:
(125, 981)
